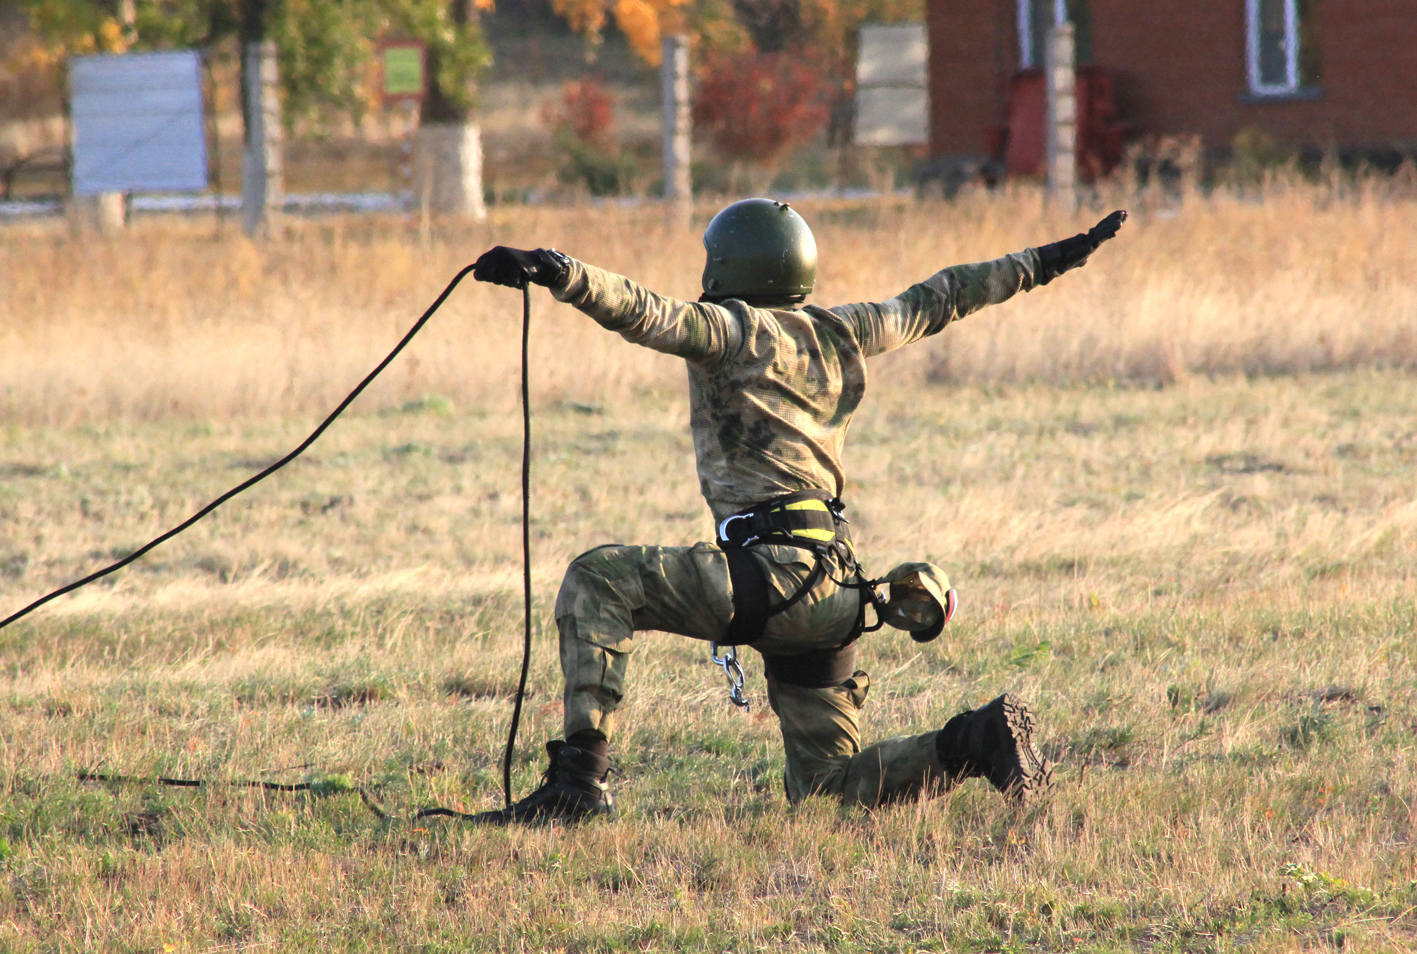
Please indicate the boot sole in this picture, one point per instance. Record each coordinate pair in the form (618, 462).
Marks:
(1035, 772)
(503, 819)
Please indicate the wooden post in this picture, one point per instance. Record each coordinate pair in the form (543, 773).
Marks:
(262, 171)
(1062, 115)
(678, 186)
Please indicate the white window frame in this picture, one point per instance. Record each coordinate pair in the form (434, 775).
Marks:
(1027, 56)
(1291, 49)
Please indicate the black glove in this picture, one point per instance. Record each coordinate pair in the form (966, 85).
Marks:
(1073, 252)
(514, 267)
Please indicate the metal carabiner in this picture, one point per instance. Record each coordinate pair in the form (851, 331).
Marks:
(723, 527)
(733, 670)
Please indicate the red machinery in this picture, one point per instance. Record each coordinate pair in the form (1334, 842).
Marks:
(1022, 145)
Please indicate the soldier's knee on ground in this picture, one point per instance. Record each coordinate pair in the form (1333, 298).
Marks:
(820, 733)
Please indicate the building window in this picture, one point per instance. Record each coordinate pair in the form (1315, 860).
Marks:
(1283, 51)
(1037, 17)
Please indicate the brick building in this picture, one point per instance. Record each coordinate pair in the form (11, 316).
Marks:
(1312, 74)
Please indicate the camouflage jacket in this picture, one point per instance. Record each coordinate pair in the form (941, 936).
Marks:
(771, 392)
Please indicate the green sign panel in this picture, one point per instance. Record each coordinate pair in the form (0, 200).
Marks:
(403, 71)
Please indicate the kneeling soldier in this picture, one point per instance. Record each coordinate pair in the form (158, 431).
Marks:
(773, 384)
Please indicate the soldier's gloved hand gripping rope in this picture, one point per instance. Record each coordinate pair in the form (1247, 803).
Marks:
(502, 266)
(513, 267)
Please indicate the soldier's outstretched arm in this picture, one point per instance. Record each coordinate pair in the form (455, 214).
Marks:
(951, 293)
(690, 330)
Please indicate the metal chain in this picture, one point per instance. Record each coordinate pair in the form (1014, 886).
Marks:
(732, 669)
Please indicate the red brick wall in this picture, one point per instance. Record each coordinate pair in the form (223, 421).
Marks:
(1180, 68)
(1369, 71)
(967, 39)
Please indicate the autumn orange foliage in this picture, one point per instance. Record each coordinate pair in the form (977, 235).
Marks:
(818, 34)
(642, 21)
(822, 28)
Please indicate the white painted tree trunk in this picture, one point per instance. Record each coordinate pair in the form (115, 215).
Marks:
(674, 73)
(262, 168)
(1062, 114)
(112, 210)
(449, 169)
(105, 213)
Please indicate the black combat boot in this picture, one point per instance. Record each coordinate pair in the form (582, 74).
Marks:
(573, 788)
(995, 742)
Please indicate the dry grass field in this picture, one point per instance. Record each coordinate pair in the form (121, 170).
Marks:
(1174, 489)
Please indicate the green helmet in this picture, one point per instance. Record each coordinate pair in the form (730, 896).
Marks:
(759, 248)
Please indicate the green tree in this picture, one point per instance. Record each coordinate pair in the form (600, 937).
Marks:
(457, 52)
(325, 47)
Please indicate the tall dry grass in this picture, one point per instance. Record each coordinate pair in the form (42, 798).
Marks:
(1204, 590)
(175, 319)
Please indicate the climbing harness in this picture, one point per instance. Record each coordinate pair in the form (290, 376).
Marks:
(811, 520)
(816, 521)
(304, 445)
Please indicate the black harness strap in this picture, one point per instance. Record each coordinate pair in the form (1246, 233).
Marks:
(821, 669)
(819, 570)
(752, 600)
(750, 597)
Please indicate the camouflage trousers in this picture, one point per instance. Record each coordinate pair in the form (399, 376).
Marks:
(612, 592)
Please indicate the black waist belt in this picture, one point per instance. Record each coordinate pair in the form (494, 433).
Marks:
(816, 670)
(810, 518)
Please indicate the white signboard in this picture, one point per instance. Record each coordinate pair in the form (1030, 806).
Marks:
(892, 103)
(138, 123)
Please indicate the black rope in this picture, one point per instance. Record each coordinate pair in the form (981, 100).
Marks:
(304, 445)
(423, 813)
(251, 482)
(87, 776)
(438, 811)
(526, 549)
